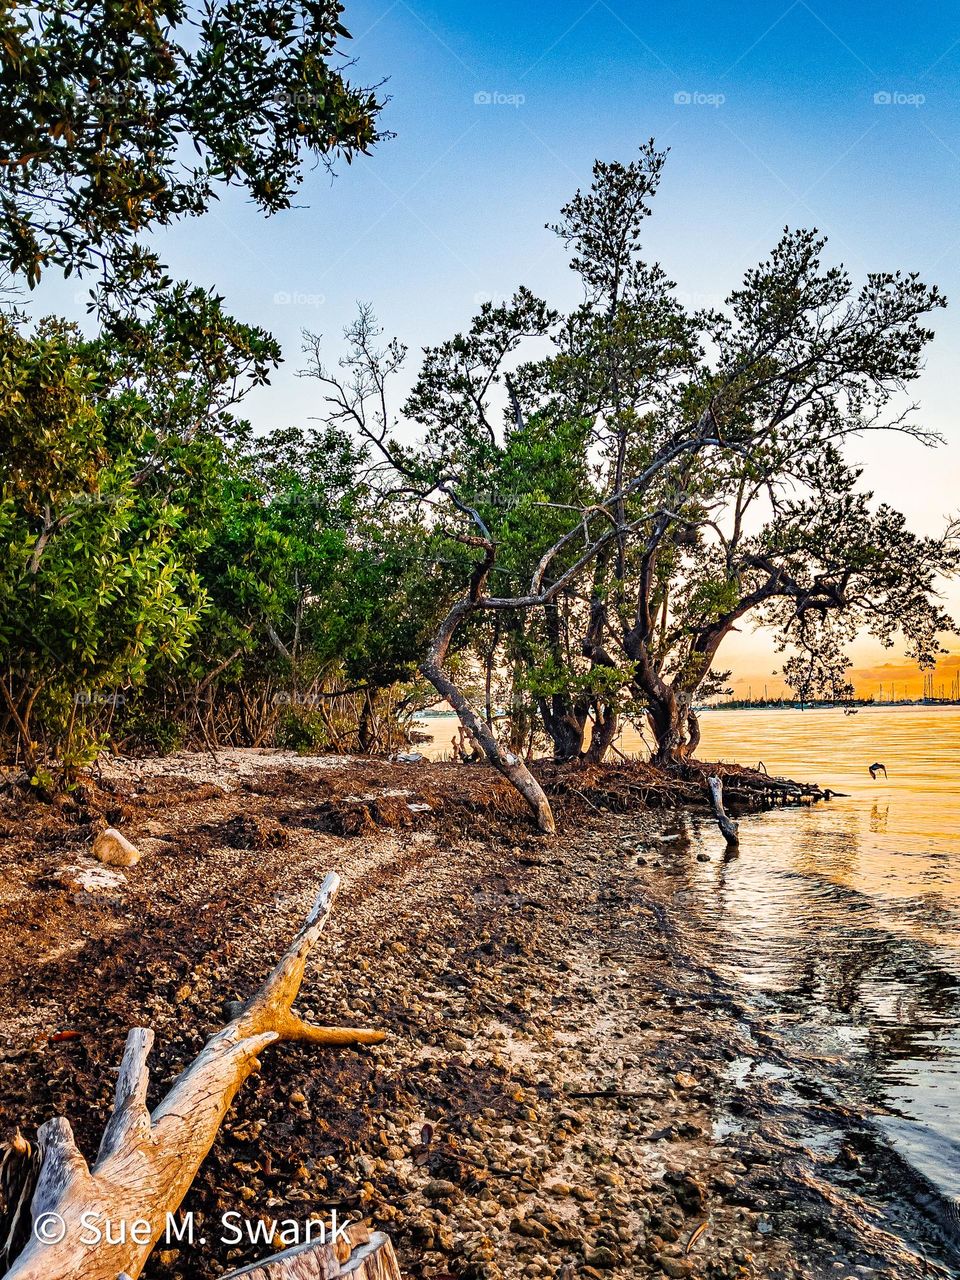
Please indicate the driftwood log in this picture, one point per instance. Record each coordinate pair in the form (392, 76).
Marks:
(730, 829)
(147, 1163)
(369, 1256)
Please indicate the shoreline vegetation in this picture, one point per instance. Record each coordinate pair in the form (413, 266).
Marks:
(567, 516)
(860, 704)
(214, 641)
(550, 1098)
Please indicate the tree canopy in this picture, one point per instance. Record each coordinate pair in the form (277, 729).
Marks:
(173, 578)
(700, 479)
(121, 117)
(556, 532)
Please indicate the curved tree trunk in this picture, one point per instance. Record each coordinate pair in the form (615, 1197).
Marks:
(503, 760)
(676, 729)
(693, 733)
(563, 726)
(605, 727)
(667, 725)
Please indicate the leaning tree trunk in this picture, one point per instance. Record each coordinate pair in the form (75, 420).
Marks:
(504, 761)
(147, 1163)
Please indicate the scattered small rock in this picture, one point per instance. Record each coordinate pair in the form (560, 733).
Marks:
(114, 849)
(675, 1267)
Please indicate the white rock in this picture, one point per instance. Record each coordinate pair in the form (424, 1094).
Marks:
(91, 879)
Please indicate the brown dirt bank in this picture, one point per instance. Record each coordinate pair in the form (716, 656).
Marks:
(545, 1104)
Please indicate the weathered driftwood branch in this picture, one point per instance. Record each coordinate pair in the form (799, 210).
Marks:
(147, 1163)
(726, 824)
(368, 1256)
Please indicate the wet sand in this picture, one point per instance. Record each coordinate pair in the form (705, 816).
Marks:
(564, 1090)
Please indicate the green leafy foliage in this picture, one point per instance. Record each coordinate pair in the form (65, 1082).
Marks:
(170, 576)
(91, 590)
(693, 458)
(121, 116)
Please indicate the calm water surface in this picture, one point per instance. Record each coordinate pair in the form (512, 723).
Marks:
(842, 921)
(844, 918)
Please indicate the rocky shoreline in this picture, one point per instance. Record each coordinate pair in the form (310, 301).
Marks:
(563, 1090)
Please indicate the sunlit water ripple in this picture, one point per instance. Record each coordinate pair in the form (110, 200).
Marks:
(841, 921)
(844, 918)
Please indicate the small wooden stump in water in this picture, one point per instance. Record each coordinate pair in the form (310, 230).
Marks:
(730, 829)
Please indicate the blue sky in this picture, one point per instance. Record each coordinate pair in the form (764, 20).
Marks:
(783, 126)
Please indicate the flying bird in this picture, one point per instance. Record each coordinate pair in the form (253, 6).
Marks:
(877, 768)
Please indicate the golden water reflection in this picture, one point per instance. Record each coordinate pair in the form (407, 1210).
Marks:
(842, 920)
(898, 836)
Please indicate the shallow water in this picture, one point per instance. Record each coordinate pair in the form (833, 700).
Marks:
(841, 922)
(844, 918)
